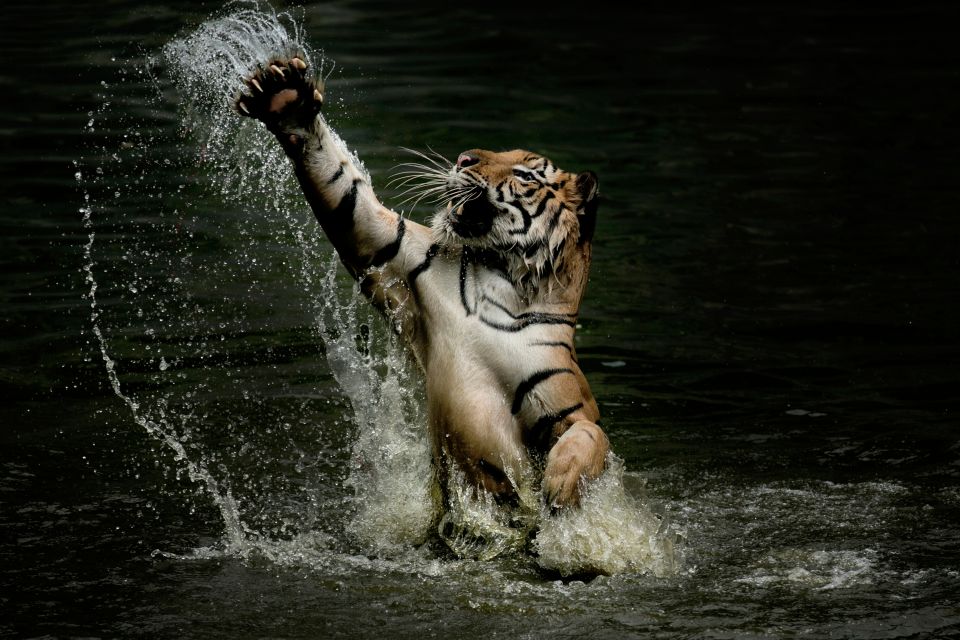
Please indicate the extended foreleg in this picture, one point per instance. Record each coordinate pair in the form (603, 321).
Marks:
(287, 98)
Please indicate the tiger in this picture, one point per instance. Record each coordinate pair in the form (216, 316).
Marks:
(486, 298)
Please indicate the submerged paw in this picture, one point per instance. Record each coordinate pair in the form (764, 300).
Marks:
(562, 488)
(281, 91)
(578, 457)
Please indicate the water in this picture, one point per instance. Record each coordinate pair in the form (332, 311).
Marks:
(770, 330)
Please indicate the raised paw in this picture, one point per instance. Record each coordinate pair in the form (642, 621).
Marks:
(578, 456)
(282, 94)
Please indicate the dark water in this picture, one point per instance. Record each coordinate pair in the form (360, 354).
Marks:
(771, 327)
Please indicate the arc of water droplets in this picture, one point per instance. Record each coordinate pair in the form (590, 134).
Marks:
(216, 58)
(247, 36)
(236, 531)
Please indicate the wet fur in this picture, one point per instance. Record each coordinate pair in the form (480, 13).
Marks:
(486, 298)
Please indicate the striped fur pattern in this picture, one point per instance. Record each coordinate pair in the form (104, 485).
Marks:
(486, 297)
(516, 204)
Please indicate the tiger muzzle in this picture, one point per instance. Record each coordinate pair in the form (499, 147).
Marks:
(474, 218)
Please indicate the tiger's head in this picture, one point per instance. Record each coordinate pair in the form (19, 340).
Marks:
(521, 206)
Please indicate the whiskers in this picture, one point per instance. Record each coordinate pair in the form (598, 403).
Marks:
(431, 181)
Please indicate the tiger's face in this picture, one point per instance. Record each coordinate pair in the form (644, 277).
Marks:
(518, 204)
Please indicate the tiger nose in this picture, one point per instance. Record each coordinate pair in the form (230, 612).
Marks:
(467, 160)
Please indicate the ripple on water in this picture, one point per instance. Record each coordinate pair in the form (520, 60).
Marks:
(814, 569)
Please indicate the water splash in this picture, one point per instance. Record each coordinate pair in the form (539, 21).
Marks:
(234, 528)
(189, 324)
(611, 533)
(181, 315)
(389, 474)
(208, 68)
(212, 63)
(391, 470)
(475, 526)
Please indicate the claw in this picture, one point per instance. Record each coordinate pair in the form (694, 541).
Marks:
(277, 70)
(243, 107)
(298, 63)
(317, 96)
(254, 82)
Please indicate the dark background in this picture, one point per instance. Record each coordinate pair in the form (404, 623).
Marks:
(780, 231)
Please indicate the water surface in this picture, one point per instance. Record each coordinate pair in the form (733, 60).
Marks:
(770, 329)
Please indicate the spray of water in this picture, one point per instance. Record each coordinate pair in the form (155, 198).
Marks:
(177, 318)
(611, 533)
(234, 528)
(390, 471)
(181, 324)
(208, 67)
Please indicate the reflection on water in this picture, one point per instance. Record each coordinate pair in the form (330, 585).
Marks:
(774, 273)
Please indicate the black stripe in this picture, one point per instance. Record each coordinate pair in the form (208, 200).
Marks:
(527, 221)
(432, 250)
(489, 258)
(502, 307)
(337, 175)
(464, 261)
(557, 250)
(527, 320)
(535, 436)
(527, 386)
(389, 252)
(341, 218)
(543, 204)
(528, 314)
(552, 344)
(555, 220)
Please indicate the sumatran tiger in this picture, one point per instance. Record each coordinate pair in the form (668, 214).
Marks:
(486, 298)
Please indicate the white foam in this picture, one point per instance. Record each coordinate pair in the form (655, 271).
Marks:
(611, 533)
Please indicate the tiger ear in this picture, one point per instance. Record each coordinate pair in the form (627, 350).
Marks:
(588, 186)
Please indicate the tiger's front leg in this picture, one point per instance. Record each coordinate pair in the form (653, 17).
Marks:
(287, 98)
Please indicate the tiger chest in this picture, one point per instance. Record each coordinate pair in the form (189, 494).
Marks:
(512, 362)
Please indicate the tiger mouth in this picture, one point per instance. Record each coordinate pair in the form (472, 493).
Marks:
(473, 218)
